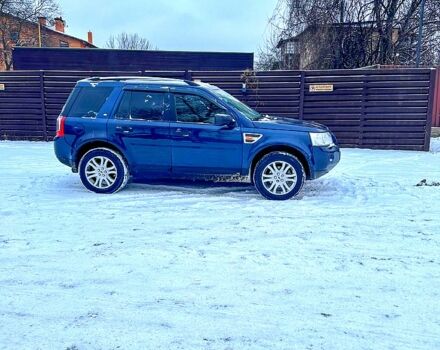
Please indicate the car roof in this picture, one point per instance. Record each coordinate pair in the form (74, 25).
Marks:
(142, 80)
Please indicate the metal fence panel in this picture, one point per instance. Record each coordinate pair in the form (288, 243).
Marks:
(21, 114)
(436, 104)
(52, 58)
(387, 109)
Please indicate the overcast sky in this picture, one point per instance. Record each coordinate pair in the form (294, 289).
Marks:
(211, 25)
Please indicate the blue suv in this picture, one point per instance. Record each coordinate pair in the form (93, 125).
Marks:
(115, 129)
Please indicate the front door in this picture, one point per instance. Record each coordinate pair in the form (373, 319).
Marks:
(141, 128)
(198, 145)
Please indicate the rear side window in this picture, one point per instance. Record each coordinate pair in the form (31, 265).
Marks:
(141, 105)
(68, 105)
(89, 101)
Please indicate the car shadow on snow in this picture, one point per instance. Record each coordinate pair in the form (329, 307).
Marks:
(196, 187)
(325, 187)
(320, 188)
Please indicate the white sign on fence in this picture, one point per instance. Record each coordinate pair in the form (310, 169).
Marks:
(320, 87)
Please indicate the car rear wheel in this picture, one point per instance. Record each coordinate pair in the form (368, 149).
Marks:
(279, 176)
(103, 170)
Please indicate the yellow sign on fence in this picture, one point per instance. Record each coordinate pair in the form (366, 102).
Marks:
(2, 87)
(321, 87)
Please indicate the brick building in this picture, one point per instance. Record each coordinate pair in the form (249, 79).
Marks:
(44, 33)
(304, 51)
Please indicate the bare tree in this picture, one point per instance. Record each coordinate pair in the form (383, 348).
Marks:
(355, 33)
(14, 16)
(128, 41)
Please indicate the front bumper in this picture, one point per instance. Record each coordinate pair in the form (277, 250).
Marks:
(325, 159)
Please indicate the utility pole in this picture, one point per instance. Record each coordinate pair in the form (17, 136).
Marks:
(419, 43)
(39, 34)
(341, 11)
(340, 31)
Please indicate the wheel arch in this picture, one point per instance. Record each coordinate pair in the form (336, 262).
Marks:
(87, 146)
(281, 148)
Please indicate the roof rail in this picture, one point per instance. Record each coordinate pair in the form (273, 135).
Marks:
(127, 78)
(191, 83)
(119, 78)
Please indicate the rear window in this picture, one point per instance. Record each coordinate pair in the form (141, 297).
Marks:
(88, 101)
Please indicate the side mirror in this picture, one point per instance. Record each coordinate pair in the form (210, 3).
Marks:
(224, 120)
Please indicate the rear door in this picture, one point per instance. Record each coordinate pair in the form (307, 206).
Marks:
(140, 125)
(198, 145)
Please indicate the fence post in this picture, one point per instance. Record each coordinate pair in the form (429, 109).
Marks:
(187, 75)
(301, 96)
(436, 104)
(363, 111)
(430, 111)
(43, 107)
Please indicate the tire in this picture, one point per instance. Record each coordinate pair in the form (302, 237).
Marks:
(103, 170)
(279, 176)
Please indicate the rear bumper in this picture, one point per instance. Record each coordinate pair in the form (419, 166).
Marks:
(325, 159)
(63, 151)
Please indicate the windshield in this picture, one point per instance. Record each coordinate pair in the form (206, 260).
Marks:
(238, 105)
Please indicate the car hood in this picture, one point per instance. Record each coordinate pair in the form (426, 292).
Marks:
(280, 123)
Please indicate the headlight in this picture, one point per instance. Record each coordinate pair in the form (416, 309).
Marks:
(321, 138)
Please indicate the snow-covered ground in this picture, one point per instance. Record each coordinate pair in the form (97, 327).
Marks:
(353, 264)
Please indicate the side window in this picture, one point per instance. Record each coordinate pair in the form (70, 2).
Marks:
(141, 105)
(89, 101)
(195, 109)
(123, 111)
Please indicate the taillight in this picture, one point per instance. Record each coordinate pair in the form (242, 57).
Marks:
(60, 126)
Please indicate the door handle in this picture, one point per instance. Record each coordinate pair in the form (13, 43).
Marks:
(183, 132)
(124, 129)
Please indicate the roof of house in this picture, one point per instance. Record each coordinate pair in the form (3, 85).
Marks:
(85, 42)
(50, 30)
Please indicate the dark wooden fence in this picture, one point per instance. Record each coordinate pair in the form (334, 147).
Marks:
(386, 109)
(51, 58)
(436, 107)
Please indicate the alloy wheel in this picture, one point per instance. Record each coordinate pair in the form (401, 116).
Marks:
(279, 177)
(101, 172)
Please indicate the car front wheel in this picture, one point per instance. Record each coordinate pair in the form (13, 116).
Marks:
(103, 170)
(279, 176)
